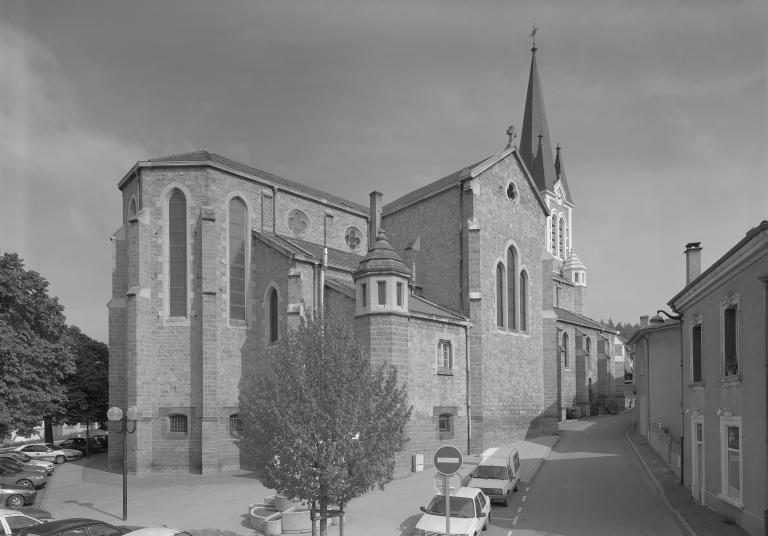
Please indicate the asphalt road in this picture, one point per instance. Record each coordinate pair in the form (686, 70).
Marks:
(591, 485)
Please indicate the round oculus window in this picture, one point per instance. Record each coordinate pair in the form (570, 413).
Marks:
(354, 238)
(298, 223)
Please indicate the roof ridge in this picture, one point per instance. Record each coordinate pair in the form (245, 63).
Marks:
(422, 298)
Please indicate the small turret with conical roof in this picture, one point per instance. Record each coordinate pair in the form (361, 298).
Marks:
(574, 270)
(382, 280)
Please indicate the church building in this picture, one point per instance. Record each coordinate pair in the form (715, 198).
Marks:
(469, 285)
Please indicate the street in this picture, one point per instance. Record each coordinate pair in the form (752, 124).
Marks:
(592, 484)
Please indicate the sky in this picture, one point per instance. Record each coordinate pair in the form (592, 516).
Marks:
(660, 108)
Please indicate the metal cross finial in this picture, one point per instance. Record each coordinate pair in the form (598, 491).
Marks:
(540, 136)
(533, 34)
(512, 135)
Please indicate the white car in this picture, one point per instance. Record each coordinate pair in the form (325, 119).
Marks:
(39, 451)
(159, 531)
(470, 513)
(12, 521)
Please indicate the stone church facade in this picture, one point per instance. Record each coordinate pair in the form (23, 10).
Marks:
(469, 285)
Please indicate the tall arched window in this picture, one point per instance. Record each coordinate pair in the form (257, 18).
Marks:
(565, 350)
(566, 242)
(237, 213)
(560, 237)
(553, 232)
(511, 288)
(500, 295)
(132, 209)
(523, 302)
(177, 249)
(587, 350)
(273, 318)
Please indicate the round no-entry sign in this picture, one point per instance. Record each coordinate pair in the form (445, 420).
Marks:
(448, 460)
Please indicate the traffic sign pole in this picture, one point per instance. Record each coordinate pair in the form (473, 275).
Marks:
(447, 507)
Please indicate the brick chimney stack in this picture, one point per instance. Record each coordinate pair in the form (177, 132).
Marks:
(375, 223)
(644, 321)
(692, 261)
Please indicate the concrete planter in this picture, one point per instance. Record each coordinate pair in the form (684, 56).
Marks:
(282, 503)
(296, 521)
(269, 500)
(273, 525)
(258, 515)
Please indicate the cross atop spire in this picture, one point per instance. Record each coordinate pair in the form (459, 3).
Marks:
(533, 34)
(512, 135)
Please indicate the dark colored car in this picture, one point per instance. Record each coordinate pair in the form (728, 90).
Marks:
(104, 440)
(26, 462)
(75, 527)
(13, 464)
(14, 496)
(14, 477)
(79, 443)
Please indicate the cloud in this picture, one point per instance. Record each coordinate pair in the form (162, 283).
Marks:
(58, 176)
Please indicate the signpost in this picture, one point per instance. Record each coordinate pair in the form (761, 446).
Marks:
(448, 461)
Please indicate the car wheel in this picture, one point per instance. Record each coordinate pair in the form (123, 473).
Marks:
(516, 486)
(60, 459)
(506, 500)
(26, 483)
(15, 500)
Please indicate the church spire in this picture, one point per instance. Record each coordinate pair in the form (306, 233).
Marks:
(560, 173)
(533, 150)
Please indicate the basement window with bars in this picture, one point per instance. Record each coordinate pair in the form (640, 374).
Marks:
(235, 425)
(178, 424)
(445, 426)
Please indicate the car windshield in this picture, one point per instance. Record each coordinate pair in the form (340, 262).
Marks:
(10, 463)
(491, 471)
(19, 522)
(51, 446)
(460, 506)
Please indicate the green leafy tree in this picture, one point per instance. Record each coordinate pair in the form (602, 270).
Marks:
(89, 383)
(34, 354)
(323, 424)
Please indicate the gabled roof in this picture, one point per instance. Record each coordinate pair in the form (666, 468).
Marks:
(420, 305)
(569, 317)
(457, 177)
(345, 287)
(307, 251)
(207, 156)
(652, 327)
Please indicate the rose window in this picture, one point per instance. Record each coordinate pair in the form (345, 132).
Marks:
(298, 223)
(354, 238)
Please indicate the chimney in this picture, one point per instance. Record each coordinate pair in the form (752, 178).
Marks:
(375, 224)
(692, 261)
(644, 321)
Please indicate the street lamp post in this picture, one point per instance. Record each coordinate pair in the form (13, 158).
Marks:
(84, 407)
(115, 415)
(658, 320)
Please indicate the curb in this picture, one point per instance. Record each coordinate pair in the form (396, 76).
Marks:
(539, 464)
(678, 517)
(48, 487)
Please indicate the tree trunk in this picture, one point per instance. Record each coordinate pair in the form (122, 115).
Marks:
(324, 517)
(48, 430)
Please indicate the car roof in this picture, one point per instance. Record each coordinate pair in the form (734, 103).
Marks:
(467, 492)
(156, 531)
(63, 524)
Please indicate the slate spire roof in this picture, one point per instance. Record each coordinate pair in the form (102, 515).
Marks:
(560, 172)
(535, 142)
(381, 258)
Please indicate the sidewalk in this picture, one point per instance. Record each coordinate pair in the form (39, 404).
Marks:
(533, 453)
(695, 519)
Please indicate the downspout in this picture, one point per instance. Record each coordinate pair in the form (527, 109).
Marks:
(322, 280)
(682, 403)
(461, 253)
(648, 391)
(764, 280)
(469, 407)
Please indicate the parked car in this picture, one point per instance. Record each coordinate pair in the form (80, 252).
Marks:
(159, 531)
(470, 513)
(79, 444)
(14, 496)
(75, 527)
(12, 521)
(26, 460)
(103, 439)
(497, 474)
(38, 451)
(71, 454)
(22, 478)
(6, 462)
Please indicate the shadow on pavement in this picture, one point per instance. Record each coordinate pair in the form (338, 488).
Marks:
(246, 521)
(409, 524)
(33, 511)
(90, 505)
(213, 532)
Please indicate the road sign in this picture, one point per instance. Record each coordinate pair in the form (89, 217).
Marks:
(454, 483)
(448, 460)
